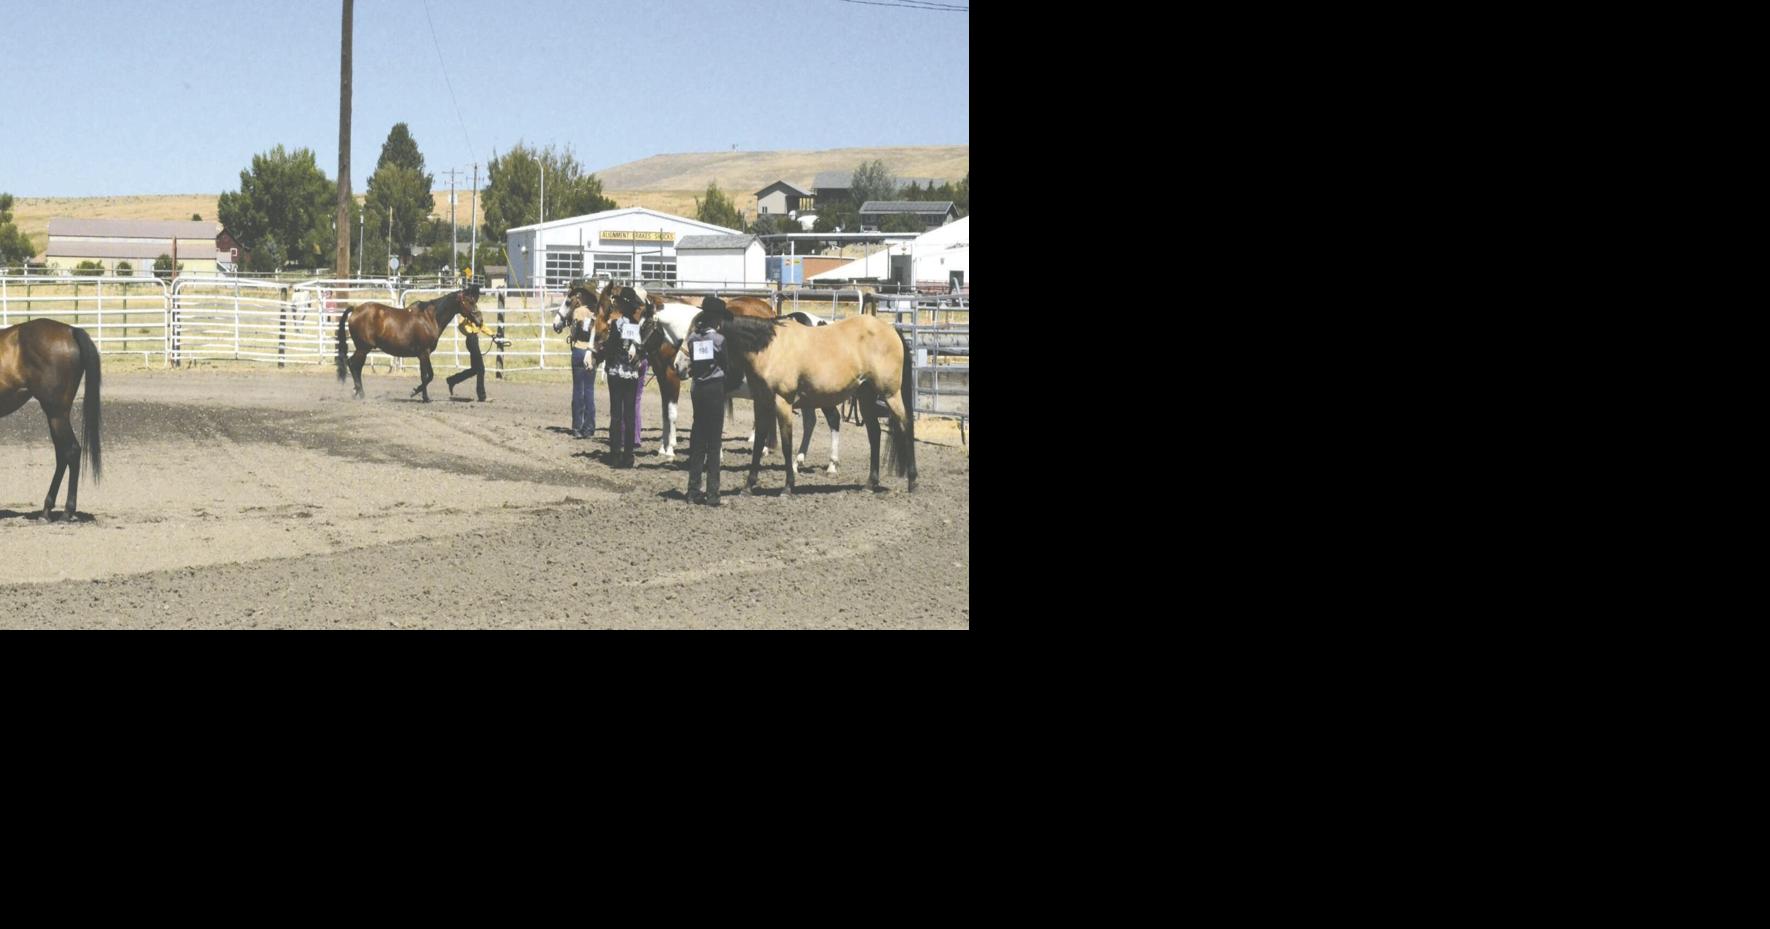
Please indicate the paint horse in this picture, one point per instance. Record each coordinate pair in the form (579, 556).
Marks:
(46, 359)
(862, 358)
(405, 332)
(661, 334)
(760, 308)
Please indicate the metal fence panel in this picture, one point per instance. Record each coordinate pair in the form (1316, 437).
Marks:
(123, 315)
(243, 319)
(939, 332)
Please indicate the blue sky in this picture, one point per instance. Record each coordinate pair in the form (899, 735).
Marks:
(110, 97)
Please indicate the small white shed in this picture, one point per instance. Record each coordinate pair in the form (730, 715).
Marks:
(720, 261)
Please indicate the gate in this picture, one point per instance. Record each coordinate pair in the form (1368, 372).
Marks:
(938, 330)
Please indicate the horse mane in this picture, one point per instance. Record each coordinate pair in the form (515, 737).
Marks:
(749, 335)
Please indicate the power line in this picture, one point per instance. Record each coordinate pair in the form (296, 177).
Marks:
(446, 82)
(928, 7)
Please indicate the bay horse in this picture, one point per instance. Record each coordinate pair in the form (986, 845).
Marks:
(405, 332)
(46, 359)
(861, 357)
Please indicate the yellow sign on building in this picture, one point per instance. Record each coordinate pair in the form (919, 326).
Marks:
(616, 235)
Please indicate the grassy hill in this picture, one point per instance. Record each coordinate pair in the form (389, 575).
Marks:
(747, 172)
(667, 183)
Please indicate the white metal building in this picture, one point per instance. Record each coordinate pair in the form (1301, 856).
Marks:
(943, 255)
(628, 244)
(936, 256)
(720, 261)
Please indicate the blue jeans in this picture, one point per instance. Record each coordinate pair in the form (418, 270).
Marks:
(583, 394)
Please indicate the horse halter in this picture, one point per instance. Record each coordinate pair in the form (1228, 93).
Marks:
(649, 327)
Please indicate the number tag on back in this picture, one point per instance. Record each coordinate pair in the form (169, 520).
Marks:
(703, 350)
(630, 331)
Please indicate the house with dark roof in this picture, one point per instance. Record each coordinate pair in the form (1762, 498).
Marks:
(781, 199)
(830, 190)
(932, 213)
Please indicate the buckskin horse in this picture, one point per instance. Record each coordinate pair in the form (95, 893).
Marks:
(862, 357)
(405, 333)
(46, 359)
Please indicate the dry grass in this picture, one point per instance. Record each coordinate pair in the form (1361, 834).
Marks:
(666, 183)
(32, 214)
(744, 173)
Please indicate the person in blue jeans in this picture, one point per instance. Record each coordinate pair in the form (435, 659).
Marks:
(581, 319)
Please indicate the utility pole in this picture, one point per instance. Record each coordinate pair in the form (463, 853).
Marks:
(343, 268)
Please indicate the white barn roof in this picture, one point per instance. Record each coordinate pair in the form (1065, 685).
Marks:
(615, 214)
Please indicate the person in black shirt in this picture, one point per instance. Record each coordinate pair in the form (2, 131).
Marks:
(621, 365)
(703, 355)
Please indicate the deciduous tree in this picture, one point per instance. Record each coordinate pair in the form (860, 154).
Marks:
(283, 211)
(512, 196)
(15, 246)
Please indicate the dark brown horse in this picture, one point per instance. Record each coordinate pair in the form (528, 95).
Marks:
(46, 359)
(404, 333)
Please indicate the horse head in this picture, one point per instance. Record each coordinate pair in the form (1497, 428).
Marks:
(580, 293)
(618, 304)
(467, 298)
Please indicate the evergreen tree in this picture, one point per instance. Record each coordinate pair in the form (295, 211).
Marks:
(399, 192)
(716, 208)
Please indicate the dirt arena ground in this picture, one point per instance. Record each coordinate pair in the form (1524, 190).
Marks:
(257, 498)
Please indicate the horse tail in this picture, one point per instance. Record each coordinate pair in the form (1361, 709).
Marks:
(900, 457)
(92, 449)
(342, 318)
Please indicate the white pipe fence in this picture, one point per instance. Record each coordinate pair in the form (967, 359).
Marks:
(241, 319)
